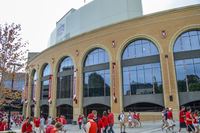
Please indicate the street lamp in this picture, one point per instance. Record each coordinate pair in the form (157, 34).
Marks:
(12, 84)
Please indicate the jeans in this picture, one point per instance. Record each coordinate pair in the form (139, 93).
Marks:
(111, 129)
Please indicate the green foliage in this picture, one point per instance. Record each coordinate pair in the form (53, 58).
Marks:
(194, 86)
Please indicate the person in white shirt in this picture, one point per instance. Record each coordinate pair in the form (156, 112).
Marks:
(122, 121)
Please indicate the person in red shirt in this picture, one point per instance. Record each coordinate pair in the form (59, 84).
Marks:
(110, 121)
(100, 125)
(80, 121)
(63, 121)
(50, 126)
(195, 122)
(27, 126)
(91, 126)
(36, 122)
(189, 120)
(170, 120)
(182, 118)
(3, 125)
(105, 121)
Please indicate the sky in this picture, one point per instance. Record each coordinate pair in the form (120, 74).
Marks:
(38, 17)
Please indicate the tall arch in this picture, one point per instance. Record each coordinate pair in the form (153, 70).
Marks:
(65, 78)
(96, 77)
(141, 71)
(186, 51)
(45, 81)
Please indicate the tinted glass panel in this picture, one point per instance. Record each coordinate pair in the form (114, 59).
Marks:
(187, 41)
(145, 79)
(66, 64)
(45, 89)
(97, 56)
(46, 70)
(97, 83)
(188, 74)
(140, 48)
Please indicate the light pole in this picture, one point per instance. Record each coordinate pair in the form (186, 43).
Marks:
(12, 85)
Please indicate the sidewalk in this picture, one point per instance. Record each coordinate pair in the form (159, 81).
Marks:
(147, 127)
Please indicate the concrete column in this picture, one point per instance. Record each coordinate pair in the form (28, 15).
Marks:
(28, 110)
(170, 91)
(116, 95)
(52, 106)
(116, 91)
(78, 105)
(37, 96)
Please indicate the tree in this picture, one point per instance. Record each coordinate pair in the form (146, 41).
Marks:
(12, 49)
(13, 52)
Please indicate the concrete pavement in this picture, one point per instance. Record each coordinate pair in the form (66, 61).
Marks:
(147, 127)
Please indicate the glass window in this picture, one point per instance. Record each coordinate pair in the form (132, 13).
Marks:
(97, 83)
(65, 82)
(66, 64)
(187, 41)
(139, 48)
(97, 56)
(188, 75)
(144, 78)
(46, 70)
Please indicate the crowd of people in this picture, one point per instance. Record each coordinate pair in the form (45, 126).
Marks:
(15, 120)
(95, 123)
(42, 125)
(92, 123)
(188, 119)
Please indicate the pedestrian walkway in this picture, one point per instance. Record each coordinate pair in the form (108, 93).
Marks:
(147, 127)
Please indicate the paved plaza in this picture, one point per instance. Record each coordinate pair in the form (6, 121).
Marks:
(147, 127)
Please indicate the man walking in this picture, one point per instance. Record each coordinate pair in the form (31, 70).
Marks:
(110, 121)
(122, 121)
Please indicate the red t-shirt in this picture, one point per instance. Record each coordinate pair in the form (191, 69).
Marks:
(49, 128)
(110, 118)
(37, 122)
(182, 116)
(188, 116)
(93, 127)
(105, 121)
(63, 120)
(3, 126)
(80, 119)
(26, 127)
(195, 120)
(169, 115)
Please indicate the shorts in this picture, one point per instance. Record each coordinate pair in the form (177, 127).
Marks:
(190, 128)
(170, 122)
(182, 125)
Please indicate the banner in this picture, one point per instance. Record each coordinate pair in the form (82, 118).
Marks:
(113, 81)
(74, 85)
(34, 88)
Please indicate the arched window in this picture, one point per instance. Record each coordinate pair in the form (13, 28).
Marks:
(141, 68)
(46, 74)
(187, 61)
(96, 74)
(65, 78)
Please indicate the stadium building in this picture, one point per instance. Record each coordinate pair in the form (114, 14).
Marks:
(111, 56)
